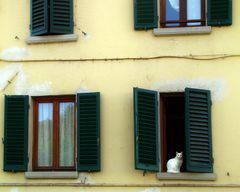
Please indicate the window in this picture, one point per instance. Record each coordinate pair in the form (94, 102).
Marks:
(181, 13)
(185, 125)
(66, 133)
(54, 133)
(51, 17)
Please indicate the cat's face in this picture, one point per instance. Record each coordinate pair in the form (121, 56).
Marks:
(179, 155)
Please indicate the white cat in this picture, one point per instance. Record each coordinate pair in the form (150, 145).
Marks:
(174, 164)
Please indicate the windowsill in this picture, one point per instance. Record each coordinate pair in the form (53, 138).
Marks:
(51, 175)
(51, 38)
(187, 176)
(182, 31)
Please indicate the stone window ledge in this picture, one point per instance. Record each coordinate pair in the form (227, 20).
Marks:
(51, 175)
(51, 38)
(182, 31)
(187, 176)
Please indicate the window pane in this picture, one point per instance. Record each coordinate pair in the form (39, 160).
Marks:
(45, 131)
(66, 134)
(193, 9)
(172, 10)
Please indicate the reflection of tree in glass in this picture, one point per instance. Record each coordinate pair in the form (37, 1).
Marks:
(66, 136)
(45, 142)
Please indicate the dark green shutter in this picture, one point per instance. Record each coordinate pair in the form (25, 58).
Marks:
(88, 131)
(61, 16)
(16, 133)
(145, 14)
(219, 12)
(39, 17)
(198, 131)
(146, 129)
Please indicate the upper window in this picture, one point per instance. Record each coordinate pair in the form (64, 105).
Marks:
(66, 133)
(185, 126)
(49, 17)
(181, 13)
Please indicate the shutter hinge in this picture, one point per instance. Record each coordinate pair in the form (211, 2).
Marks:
(2, 141)
(28, 106)
(212, 160)
(30, 27)
(211, 102)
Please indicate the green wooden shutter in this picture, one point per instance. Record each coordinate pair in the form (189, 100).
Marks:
(39, 17)
(198, 131)
(145, 14)
(219, 12)
(88, 131)
(146, 130)
(16, 133)
(61, 16)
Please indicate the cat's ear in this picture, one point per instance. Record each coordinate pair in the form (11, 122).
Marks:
(176, 152)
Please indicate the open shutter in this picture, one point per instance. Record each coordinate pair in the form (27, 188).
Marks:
(61, 16)
(198, 130)
(16, 133)
(146, 130)
(145, 14)
(219, 12)
(39, 17)
(88, 131)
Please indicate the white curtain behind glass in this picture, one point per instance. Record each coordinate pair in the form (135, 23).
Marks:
(66, 135)
(45, 134)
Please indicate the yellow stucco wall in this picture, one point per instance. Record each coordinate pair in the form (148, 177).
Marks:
(110, 34)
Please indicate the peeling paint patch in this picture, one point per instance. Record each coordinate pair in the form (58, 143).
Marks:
(14, 190)
(7, 74)
(216, 86)
(83, 90)
(14, 54)
(151, 190)
(85, 178)
(40, 89)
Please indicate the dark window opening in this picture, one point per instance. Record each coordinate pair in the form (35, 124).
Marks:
(172, 113)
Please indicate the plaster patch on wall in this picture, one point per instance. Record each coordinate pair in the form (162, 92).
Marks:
(14, 53)
(14, 190)
(216, 86)
(151, 190)
(40, 89)
(85, 178)
(7, 75)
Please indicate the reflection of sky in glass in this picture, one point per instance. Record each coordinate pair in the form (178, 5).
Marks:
(193, 9)
(45, 111)
(172, 10)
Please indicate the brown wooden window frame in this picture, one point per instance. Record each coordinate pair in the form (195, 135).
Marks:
(56, 100)
(183, 15)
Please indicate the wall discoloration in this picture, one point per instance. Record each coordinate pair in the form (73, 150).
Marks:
(151, 190)
(217, 86)
(7, 75)
(13, 54)
(85, 178)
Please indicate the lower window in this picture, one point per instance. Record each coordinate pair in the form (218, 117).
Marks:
(166, 123)
(54, 133)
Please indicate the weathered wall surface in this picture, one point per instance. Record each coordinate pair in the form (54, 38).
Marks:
(202, 61)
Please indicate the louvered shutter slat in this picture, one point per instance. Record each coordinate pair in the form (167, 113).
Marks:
(145, 14)
(88, 131)
(146, 130)
(219, 12)
(16, 133)
(198, 131)
(39, 17)
(61, 16)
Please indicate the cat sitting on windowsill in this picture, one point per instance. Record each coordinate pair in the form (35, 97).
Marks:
(174, 164)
